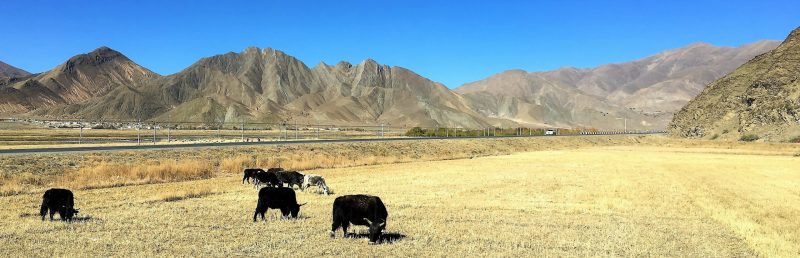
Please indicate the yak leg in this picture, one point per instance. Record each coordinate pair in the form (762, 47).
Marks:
(336, 224)
(259, 211)
(52, 212)
(344, 229)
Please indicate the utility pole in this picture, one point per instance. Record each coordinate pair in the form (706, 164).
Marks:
(154, 133)
(381, 129)
(625, 121)
(284, 131)
(242, 129)
(169, 120)
(138, 133)
(80, 137)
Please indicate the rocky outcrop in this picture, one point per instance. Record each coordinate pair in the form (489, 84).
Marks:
(762, 97)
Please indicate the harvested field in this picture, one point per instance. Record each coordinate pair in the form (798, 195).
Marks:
(638, 199)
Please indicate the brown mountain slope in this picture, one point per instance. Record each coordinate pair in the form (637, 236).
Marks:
(761, 97)
(8, 71)
(81, 78)
(646, 91)
(663, 82)
(528, 98)
(269, 85)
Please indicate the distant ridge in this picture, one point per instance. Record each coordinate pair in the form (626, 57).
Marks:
(645, 92)
(8, 71)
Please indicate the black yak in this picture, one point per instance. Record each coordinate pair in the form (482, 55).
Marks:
(58, 200)
(365, 210)
(291, 178)
(250, 173)
(277, 198)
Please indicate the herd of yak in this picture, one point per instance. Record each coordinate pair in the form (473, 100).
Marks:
(364, 210)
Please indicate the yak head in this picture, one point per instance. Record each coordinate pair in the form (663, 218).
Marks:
(68, 212)
(295, 210)
(375, 230)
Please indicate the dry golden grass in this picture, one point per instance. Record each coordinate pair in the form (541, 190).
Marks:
(601, 201)
(112, 175)
(32, 173)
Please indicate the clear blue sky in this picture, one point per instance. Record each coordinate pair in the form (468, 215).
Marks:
(452, 42)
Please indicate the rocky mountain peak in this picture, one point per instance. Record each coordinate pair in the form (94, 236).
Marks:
(96, 57)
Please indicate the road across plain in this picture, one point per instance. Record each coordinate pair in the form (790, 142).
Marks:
(60, 150)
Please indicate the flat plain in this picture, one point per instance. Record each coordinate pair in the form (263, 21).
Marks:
(589, 201)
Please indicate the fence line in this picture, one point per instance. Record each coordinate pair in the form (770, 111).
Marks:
(155, 132)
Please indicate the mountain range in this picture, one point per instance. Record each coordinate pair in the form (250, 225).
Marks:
(759, 99)
(271, 86)
(645, 92)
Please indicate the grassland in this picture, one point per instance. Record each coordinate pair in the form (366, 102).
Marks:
(654, 198)
(32, 173)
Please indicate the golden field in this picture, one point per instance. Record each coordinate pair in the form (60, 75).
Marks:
(34, 173)
(641, 197)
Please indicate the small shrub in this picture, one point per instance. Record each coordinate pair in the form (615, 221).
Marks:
(715, 137)
(748, 138)
(795, 139)
(416, 131)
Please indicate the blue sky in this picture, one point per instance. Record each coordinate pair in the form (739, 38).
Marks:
(452, 42)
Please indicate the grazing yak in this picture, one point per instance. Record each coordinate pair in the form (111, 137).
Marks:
(291, 178)
(316, 180)
(365, 210)
(251, 173)
(268, 178)
(58, 200)
(277, 198)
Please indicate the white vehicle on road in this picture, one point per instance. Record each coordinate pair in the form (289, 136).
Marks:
(550, 132)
